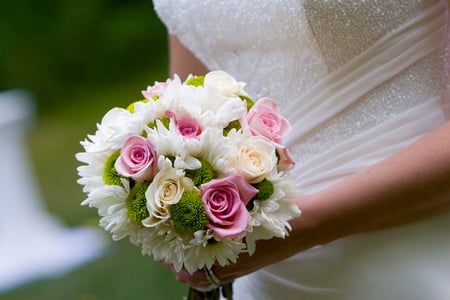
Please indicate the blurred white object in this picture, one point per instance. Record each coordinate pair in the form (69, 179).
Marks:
(33, 244)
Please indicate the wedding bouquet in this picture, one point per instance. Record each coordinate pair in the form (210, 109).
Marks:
(195, 173)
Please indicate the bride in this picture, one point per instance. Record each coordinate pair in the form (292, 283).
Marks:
(365, 86)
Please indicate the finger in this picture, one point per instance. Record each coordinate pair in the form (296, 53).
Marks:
(198, 280)
(168, 266)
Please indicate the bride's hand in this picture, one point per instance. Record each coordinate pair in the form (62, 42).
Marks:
(246, 264)
(204, 280)
(216, 276)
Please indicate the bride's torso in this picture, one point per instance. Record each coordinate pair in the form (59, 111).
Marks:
(308, 54)
(359, 80)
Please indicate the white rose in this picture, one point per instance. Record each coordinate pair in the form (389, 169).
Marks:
(166, 189)
(255, 158)
(224, 83)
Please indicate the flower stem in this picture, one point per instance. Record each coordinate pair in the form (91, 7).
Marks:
(226, 290)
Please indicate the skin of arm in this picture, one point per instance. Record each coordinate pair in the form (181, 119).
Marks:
(409, 186)
(182, 61)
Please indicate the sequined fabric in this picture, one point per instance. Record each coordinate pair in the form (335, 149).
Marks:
(283, 48)
(343, 29)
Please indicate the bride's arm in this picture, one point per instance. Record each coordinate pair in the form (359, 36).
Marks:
(182, 61)
(409, 186)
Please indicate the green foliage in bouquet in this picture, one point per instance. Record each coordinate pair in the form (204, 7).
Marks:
(188, 214)
(130, 107)
(265, 188)
(110, 176)
(232, 125)
(196, 81)
(203, 174)
(164, 120)
(136, 202)
(247, 100)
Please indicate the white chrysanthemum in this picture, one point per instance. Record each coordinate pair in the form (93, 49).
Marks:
(231, 110)
(91, 174)
(115, 127)
(125, 125)
(108, 138)
(100, 140)
(214, 107)
(110, 201)
(163, 244)
(195, 101)
(213, 147)
(187, 251)
(147, 112)
(203, 254)
(234, 109)
(178, 96)
(209, 104)
(169, 143)
(270, 218)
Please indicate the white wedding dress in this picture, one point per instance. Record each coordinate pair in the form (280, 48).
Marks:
(359, 80)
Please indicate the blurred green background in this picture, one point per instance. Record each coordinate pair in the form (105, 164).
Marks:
(79, 58)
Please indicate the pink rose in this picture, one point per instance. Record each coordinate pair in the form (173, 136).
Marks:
(286, 158)
(187, 126)
(224, 200)
(137, 159)
(264, 119)
(156, 90)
